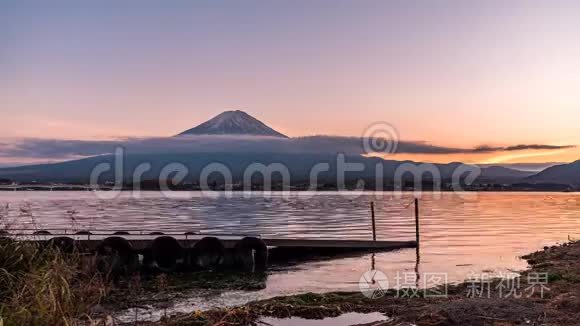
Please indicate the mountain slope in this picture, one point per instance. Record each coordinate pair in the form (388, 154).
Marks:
(299, 166)
(568, 174)
(233, 123)
(500, 174)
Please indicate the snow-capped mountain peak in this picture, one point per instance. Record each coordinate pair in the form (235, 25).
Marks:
(233, 123)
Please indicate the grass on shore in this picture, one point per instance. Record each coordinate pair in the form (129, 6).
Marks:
(43, 286)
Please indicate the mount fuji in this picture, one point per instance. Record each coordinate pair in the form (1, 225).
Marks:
(299, 155)
(233, 123)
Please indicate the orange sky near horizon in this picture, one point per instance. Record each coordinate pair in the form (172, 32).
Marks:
(501, 157)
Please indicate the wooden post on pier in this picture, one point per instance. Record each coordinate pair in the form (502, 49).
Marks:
(417, 230)
(373, 218)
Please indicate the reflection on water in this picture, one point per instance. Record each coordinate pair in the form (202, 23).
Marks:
(327, 216)
(342, 320)
(460, 235)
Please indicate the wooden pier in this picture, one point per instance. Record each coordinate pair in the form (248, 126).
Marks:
(143, 240)
(170, 251)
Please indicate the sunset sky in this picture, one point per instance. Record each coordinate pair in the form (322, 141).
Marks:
(450, 73)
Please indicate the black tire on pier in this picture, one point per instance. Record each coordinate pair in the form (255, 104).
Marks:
(251, 254)
(83, 233)
(41, 232)
(167, 254)
(208, 253)
(64, 244)
(116, 256)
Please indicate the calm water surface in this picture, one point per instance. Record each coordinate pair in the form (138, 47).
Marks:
(461, 234)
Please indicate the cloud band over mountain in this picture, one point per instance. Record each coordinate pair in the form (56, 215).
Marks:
(52, 149)
(486, 149)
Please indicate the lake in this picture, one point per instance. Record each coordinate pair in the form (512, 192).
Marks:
(461, 234)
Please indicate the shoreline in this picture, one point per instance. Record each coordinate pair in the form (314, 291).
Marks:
(26, 188)
(558, 305)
